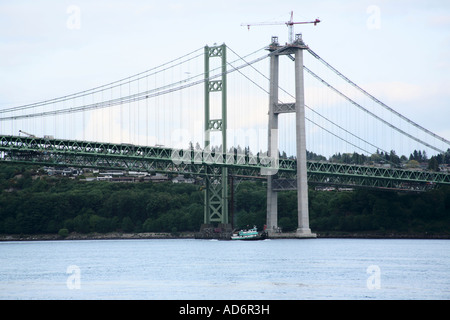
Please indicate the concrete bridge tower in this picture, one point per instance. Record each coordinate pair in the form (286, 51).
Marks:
(294, 51)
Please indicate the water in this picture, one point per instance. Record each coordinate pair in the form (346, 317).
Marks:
(229, 270)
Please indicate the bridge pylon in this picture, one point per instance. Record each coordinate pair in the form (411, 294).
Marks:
(216, 179)
(295, 52)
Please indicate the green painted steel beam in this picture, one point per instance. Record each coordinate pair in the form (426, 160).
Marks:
(216, 189)
(57, 152)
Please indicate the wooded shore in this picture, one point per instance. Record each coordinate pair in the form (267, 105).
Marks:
(191, 235)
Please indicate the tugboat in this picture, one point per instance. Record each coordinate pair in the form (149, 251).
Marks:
(249, 234)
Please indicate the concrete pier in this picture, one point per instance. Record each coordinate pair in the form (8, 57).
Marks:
(302, 179)
(272, 197)
(296, 48)
(291, 235)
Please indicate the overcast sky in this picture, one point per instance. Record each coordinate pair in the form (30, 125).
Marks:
(397, 50)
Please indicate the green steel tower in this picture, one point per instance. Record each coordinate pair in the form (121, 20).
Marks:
(216, 197)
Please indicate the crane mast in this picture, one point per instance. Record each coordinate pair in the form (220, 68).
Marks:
(290, 24)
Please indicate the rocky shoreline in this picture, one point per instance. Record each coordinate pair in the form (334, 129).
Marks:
(191, 235)
(383, 236)
(96, 236)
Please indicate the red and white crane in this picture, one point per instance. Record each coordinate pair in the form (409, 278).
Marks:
(289, 24)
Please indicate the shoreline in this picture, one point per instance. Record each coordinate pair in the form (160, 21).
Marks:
(191, 235)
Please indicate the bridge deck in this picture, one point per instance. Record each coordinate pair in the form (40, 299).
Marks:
(57, 152)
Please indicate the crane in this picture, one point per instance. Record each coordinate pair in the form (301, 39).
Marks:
(289, 24)
(28, 134)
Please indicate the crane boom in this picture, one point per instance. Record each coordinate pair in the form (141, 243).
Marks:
(289, 24)
(28, 134)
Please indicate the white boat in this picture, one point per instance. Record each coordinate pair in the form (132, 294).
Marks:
(250, 234)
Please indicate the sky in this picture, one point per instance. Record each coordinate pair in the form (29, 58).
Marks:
(399, 51)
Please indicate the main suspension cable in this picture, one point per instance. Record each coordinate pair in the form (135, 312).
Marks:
(108, 86)
(371, 113)
(133, 97)
(315, 55)
(330, 121)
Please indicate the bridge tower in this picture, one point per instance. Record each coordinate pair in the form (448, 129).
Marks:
(216, 197)
(294, 51)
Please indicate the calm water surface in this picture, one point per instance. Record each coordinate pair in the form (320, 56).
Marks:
(230, 270)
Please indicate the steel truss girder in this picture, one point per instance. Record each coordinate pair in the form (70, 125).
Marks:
(377, 173)
(57, 152)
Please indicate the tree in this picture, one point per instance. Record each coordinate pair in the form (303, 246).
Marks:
(412, 164)
(63, 232)
(433, 164)
(394, 158)
(81, 223)
(127, 224)
(287, 224)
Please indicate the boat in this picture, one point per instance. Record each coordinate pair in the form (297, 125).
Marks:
(249, 234)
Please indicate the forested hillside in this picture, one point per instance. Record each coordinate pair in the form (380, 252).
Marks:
(41, 204)
(359, 211)
(32, 203)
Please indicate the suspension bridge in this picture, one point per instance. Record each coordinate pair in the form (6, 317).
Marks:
(219, 115)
